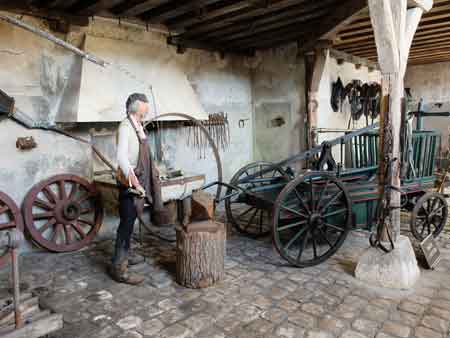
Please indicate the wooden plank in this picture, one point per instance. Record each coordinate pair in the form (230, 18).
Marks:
(133, 8)
(98, 6)
(248, 14)
(171, 10)
(177, 24)
(39, 328)
(255, 33)
(273, 21)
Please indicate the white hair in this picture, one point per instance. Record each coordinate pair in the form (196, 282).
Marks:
(134, 106)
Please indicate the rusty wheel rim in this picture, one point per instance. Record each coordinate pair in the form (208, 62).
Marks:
(10, 218)
(63, 213)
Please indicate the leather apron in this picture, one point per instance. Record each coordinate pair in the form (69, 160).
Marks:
(146, 175)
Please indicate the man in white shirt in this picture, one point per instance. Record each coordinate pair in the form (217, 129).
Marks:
(132, 151)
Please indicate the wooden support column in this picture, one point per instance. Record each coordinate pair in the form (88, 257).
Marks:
(394, 28)
(314, 67)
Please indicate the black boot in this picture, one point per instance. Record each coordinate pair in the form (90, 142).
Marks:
(119, 272)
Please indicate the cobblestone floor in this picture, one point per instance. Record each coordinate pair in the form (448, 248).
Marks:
(260, 297)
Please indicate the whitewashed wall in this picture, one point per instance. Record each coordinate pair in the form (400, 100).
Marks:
(432, 83)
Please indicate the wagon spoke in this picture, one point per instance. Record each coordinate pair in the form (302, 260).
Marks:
(322, 194)
(332, 226)
(56, 232)
(331, 201)
(245, 212)
(85, 197)
(7, 225)
(293, 239)
(302, 202)
(324, 236)
(434, 212)
(293, 211)
(424, 223)
(43, 228)
(50, 194)
(85, 211)
(73, 191)
(68, 233)
(334, 213)
(251, 219)
(292, 225)
(311, 193)
(43, 204)
(91, 223)
(62, 189)
(79, 230)
(43, 215)
(314, 244)
(302, 246)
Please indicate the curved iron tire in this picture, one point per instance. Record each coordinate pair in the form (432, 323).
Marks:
(311, 217)
(56, 218)
(434, 215)
(241, 173)
(10, 218)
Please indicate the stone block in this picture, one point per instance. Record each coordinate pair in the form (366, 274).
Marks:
(396, 270)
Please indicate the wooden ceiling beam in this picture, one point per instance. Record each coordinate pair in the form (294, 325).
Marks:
(98, 6)
(136, 7)
(277, 23)
(330, 26)
(178, 24)
(233, 19)
(172, 10)
(272, 21)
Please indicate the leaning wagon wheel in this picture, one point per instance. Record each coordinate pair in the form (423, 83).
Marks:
(429, 216)
(312, 218)
(10, 218)
(63, 213)
(247, 219)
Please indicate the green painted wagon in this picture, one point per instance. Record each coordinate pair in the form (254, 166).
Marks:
(310, 215)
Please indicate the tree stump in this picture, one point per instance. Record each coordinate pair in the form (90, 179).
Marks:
(200, 254)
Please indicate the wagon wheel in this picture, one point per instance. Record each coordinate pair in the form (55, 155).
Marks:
(429, 216)
(247, 219)
(312, 218)
(10, 218)
(63, 213)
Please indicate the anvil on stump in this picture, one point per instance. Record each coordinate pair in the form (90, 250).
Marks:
(200, 245)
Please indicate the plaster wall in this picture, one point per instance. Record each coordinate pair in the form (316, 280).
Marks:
(278, 95)
(432, 83)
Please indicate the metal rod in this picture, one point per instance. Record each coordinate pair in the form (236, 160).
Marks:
(15, 276)
(54, 39)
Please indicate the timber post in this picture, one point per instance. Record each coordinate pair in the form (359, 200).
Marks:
(394, 27)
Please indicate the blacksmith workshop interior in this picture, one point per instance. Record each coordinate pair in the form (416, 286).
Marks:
(224, 169)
